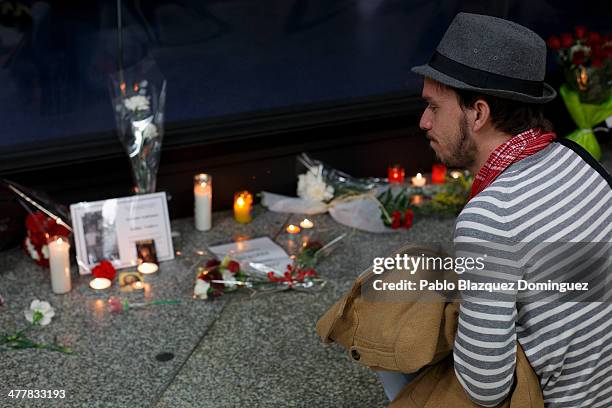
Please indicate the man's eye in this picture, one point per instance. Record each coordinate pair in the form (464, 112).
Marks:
(432, 107)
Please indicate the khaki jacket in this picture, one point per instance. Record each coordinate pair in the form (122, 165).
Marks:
(406, 336)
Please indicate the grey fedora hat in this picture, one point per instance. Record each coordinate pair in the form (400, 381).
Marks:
(492, 56)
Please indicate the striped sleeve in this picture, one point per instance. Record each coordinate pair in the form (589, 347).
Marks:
(485, 345)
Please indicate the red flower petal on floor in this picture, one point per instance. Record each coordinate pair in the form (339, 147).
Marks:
(408, 218)
(104, 269)
(233, 266)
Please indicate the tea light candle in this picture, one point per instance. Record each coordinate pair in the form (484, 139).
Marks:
(243, 205)
(438, 173)
(418, 180)
(306, 224)
(137, 285)
(202, 193)
(293, 229)
(100, 283)
(455, 174)
(59, 264)
(147, 268)
(395, 174)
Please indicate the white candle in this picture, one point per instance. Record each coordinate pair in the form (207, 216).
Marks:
(306, 224)
(419, 180)
(202, 192)
(455, 174)
(147, 268)
(59, 264)
(100, 283)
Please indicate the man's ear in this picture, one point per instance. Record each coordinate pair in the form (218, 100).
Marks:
(481, 116)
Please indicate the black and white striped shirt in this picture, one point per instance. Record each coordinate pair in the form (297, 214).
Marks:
(554, 196)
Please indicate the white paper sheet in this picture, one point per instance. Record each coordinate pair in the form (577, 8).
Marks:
(260, 255)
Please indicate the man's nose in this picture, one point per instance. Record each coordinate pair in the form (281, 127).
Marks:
(425, 123)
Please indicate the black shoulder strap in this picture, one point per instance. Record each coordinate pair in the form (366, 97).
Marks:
(586, 156)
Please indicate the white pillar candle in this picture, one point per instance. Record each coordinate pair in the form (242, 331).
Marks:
(202, 192)
(59, 264)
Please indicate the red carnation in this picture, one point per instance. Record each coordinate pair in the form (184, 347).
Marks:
(212, 263)
(566, 40)
(580, 31)
(408, 218)
(233, 266)
(594, 38)
(554, 43)
(578, 58)
(397, 219)
(104, 269)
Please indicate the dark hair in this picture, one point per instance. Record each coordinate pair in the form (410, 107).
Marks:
(507, 116)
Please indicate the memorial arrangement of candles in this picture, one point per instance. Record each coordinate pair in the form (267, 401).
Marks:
(438, 173)
(59, 264)
(202, 193)
(243, 207)
(395, 174)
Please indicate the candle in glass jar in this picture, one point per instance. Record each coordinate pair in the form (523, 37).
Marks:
(418, 180)
(395, 174)
(243, 206)
(202, 193)
(438, 173)
(59, 264)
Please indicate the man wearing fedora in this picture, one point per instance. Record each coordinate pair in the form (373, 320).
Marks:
(484, 86)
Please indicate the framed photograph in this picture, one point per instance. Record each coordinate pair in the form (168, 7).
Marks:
(120, 229)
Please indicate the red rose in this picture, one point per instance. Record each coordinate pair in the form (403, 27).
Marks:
(578, 58)
(104, 269)
(397, 219)
(580, 31)
(566, 40)
(554, 43)
(233, 266)
(594, 38)
(408, 218)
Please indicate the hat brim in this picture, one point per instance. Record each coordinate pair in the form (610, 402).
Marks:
(426, 70)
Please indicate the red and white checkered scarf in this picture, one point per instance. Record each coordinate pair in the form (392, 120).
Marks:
(517, 148)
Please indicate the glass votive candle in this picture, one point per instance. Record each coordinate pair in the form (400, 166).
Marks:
(438, 173)
(243, 207)
(395, 174)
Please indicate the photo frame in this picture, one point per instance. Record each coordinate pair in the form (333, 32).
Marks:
(110, 230)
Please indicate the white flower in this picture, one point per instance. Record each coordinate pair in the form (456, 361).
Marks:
(45, 251)
(31, 249)
(149, 132)
(312, 187)
(137, 102)
(201, 289)
(39, 313)
(228, 276)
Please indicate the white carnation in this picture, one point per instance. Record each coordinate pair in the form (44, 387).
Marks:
(137, 102)
(312, 187)
(44, 308)
(201, 289)
(149, 132)
(31, 249)
(228, 276)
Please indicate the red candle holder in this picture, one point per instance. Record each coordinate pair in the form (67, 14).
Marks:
(438, 173)
(396, 174)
